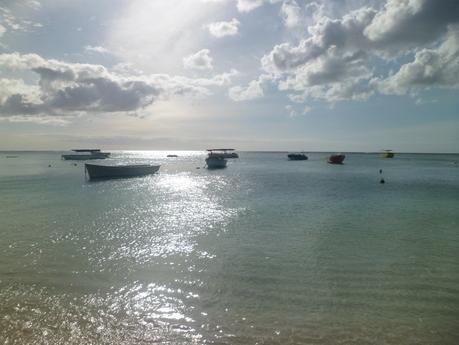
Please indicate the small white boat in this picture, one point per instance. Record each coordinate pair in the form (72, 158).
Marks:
(215, 162)
(85, 154)
(119, 171)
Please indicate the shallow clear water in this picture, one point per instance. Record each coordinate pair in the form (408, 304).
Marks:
(266, 251)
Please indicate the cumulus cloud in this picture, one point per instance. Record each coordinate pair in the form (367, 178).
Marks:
(291, 13)
(335, 61)
(406, 24)
(2, 30)
(430, 68)
(71, 88)
(200, 60)
(252, 91)
(331, 64)
(222, 29)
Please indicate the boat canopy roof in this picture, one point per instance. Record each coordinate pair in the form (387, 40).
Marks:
(86, 150)
(220, 149)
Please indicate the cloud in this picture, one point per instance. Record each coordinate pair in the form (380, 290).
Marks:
(12, 22)
(430, 68)
(406, 24)
(253, 90)
(334, 62)
(222, 29)
(249, 5)
(68, 89)
(291, 13)
(34, 4)
(200, 60)
(331, 64)
(306, 110)
(97, 49)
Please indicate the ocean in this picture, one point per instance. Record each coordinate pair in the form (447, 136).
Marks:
(266, 251)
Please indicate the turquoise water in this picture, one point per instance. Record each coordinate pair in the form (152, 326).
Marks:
(266, 251)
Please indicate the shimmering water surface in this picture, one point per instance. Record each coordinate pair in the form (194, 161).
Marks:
(266, 251)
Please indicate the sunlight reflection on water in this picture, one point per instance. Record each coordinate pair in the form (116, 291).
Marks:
(261, 252)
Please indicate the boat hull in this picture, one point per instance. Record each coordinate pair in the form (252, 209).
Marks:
(336, 159)
(224, 154)
(216, 162)
(297, 157)
(120, 171)
(388, 155)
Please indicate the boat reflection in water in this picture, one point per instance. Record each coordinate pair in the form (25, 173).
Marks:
(119, 171)
(336, 159)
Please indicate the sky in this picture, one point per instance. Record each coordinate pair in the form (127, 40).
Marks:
(323, 75)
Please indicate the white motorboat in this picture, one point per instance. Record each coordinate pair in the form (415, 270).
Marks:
(85, 154)
(96, 171)
(224, 153)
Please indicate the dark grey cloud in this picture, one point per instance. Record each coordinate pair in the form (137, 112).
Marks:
(65, 88)
(403, 24)
(18, 104)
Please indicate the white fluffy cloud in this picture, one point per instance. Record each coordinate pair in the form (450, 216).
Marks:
(335, 61)
(200, 60)
(222, 29)
(430, 68)
(291, 13)
(252, 91)
(69, 88)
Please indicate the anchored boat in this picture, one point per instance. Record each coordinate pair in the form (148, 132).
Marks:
(224, 153)
(388, 154)
(215, 162)
(336, 159)
(119, 171)
(85, 154)
(297, 156)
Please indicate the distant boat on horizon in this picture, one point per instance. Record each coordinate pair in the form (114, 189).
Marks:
(297, 156)
(96, 171)
(85, 154)
(388, 154)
